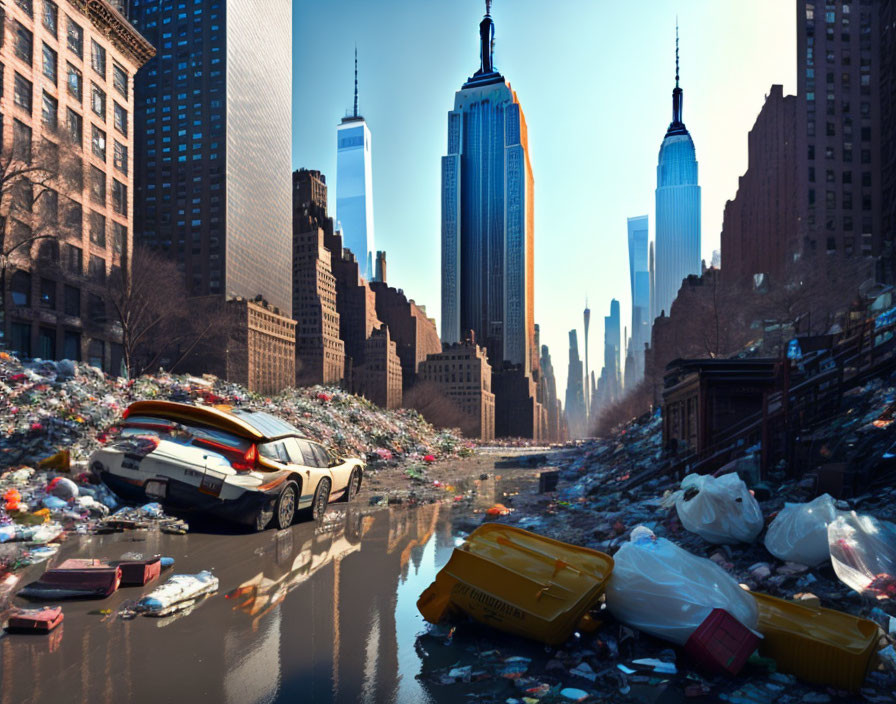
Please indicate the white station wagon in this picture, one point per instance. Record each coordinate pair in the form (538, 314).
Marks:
(245, 466)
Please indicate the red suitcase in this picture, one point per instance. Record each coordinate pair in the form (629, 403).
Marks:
(35, 620)
(136, 573)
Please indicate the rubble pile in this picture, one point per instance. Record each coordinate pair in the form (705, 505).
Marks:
(612, 492)
(48, 406)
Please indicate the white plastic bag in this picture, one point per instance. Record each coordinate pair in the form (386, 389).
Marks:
(662, 589)
(863, 552)
(799, 532)
(722, 511)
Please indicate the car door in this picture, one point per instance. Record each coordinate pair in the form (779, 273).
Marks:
(341, 472)
(302, 461)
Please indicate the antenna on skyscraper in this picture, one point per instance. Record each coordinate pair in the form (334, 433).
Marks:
(676, 51)
(356, 80)
(488, 7)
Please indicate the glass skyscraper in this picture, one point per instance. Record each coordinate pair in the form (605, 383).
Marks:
(213, 141)
(677, 207)
(354, 186)
(639, 276)
(488, 218)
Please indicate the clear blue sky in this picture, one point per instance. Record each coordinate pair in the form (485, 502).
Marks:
(594, 78)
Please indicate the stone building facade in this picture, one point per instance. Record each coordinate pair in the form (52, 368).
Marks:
(463, 374)
(67, 98)
(379, 375)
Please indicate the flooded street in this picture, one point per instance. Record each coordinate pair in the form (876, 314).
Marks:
(317, 613)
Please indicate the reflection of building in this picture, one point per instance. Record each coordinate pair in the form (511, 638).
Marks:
(462, 373)
(59, 60)
(320, 354)
(488, 218)
(354, 186)
(213, 135)
(677, 206)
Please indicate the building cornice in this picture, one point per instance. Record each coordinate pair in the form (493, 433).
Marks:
(117, 29)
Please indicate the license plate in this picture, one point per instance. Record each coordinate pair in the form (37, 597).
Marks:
(211, 484)
(156, 489)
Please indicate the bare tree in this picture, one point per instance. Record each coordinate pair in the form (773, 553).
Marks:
(31, 179)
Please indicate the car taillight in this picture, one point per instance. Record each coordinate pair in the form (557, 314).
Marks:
(127, 412)
(248, 462)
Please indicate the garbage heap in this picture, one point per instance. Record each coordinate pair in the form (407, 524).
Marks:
(48, 406)
(780, 564)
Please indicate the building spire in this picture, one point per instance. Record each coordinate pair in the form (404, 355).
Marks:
(355, 114)
(488, 8)
(676, 52)
(677, 125)
(487, 40)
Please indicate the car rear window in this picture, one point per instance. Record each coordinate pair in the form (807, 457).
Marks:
(184, 433)
(266, 424)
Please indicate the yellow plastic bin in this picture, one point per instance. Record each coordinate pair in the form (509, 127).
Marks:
(820, 646)
(518, 582)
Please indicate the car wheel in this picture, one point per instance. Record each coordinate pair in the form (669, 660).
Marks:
(321, 499)
(354, 485)
(285, 509)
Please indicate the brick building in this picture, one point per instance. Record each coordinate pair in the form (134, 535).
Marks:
(414, 333)
(67, 103)
(463, 374)
(260, 351)
(888, 136)
(320, 353)
(379, 375)
(760, 230)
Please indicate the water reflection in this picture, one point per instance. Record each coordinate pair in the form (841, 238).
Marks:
(312, 614)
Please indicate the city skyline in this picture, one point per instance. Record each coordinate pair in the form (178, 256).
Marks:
(724, 98)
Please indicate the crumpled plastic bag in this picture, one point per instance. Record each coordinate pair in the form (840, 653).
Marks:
(719, 510)
(863, 553)
(799, 532)
(662, 589)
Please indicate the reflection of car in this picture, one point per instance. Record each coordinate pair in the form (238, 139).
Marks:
(248, 466)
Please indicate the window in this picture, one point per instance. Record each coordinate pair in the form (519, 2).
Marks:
(27, 6)
(119, 197)
(96, 270)
(75, 37)
(98, 229)
(98, 140)
(48, 203)
(48, 294)
(51, 17)
(20, 288)
(98, 58)
(74, 216)
(71, 348)
(97, 186)
(75, 127)
(73, 259)
(48, 251)
(121, 119)
(119, 237)
(96, 309)
(21, 141)
(75, 84)
(24, 43)
(121, 157)
(21, 338)
(50, 62)
(22, 92)
(98, 100)
(72, 301)
(120, 79)
(50, 111)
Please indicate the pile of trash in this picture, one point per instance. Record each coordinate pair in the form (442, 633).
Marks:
(48, 406)
(731, 587)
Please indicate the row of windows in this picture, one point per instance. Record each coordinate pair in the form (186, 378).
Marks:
(48, 297)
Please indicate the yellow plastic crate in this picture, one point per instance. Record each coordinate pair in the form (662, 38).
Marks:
(820, 646)
(518, 582)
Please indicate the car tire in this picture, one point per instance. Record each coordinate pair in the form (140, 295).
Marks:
(285, 508)
(353, 486)
(321, 499)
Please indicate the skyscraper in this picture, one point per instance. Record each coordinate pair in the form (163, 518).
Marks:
(639, 277)
(354, 186)
(575, 391)
(677, 206)
(612, 347)
(587, 316)
(213, 141)
(488, 217)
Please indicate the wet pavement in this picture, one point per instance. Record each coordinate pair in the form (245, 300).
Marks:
(317, 613)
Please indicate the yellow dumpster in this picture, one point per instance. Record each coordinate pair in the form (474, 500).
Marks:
(820, 646)
(518, 582)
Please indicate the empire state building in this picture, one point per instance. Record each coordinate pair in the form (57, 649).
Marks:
(488, 217)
